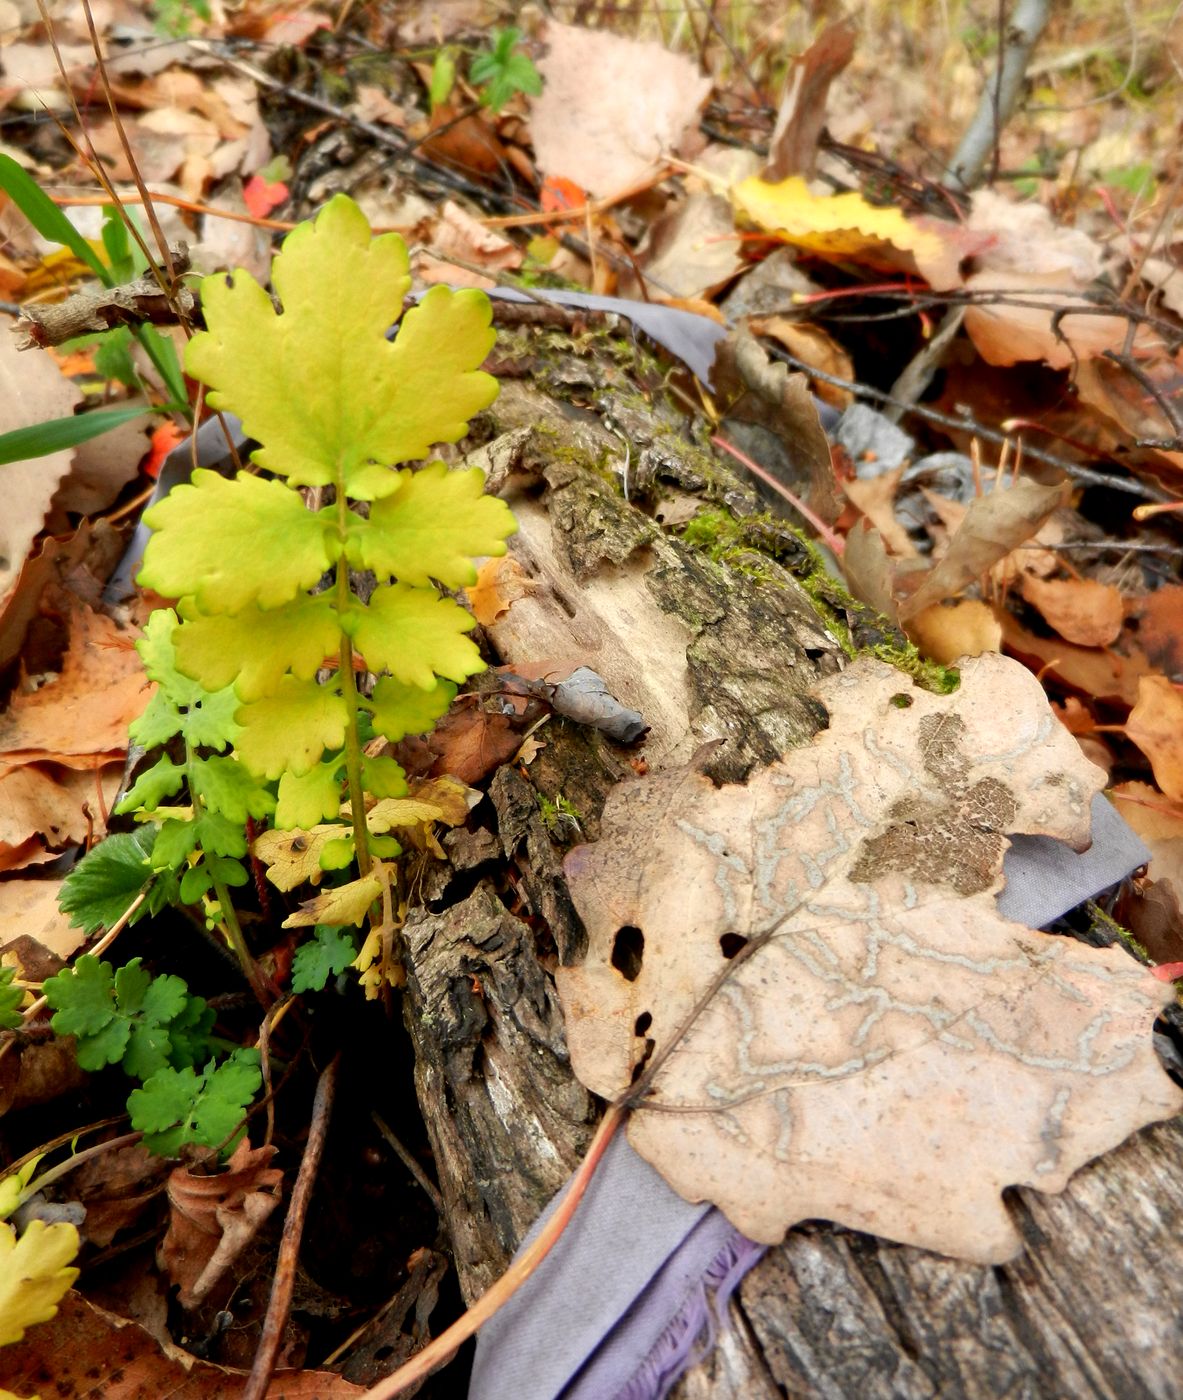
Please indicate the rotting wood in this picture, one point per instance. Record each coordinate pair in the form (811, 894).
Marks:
(719, 657)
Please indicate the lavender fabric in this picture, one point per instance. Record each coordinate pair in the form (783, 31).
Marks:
(634, 1290)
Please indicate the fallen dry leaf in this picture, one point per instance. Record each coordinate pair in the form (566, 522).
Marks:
(86, 1351)
(874, 496)
(212, 1219)
(1101, 672)
(459, 236)
(32, 389)
(802, 115)
(79, 719)
(893, 1054)
(993, 526)
(1160, 629)
(32, 906)
(1156, 726)
(1081, 610)
(816, 347)
(691, 249)
(499, 584)
(944, 632)
(610, 134)
(116, 1187)
(45, 807)
(840, 227)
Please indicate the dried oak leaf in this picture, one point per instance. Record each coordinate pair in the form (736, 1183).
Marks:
(892, 1053)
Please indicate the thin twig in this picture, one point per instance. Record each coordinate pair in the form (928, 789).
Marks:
(408, 1161)
(289, 1246)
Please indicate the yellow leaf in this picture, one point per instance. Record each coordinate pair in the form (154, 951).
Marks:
(34, 1275)
(845, 226)
(345, 904)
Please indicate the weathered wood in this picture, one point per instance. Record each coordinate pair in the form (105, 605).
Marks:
(723, 655)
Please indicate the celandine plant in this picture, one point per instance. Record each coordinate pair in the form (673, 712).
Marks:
(335, 405)
(264, 583)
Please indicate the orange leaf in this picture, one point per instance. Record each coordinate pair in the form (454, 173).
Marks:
(262, 196)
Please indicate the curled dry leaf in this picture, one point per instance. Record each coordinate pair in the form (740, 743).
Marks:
(993, 525)
(1156, 726)
(499, 584)
(1081, 610)
(887, 1052)
(212, 1219)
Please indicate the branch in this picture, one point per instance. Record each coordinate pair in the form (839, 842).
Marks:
(1000, 96)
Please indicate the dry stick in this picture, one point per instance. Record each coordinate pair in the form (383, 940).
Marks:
(1000, 98)
(442, 1349)
(293, 1229)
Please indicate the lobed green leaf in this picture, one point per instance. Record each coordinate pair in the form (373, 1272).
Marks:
(290, 730)
(431, 527)
(253, 650)
(415, 635)
(228, 544)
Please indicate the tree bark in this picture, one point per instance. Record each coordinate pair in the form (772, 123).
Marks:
(720, 654)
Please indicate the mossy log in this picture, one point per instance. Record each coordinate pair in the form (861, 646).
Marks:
(719, 654)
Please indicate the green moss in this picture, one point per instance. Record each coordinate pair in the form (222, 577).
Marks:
(1100, 920)
(560, 817)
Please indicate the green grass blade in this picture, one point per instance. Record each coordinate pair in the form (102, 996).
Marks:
(58, 433)
(46, 217)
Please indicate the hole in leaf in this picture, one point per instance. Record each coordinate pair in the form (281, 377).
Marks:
(644, 1021)
(628, 947)
(646, 1056)
(731, 943)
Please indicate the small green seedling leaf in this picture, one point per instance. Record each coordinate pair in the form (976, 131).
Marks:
(397, 710)
(181, 705)
(415, 635)
(103, 885)
(503, 71)
(179, 1106)
(290, 730)
(10, 1000)
(327, 955)
(254, 650)
(229, 790)
(120, 1016)
(443, 76)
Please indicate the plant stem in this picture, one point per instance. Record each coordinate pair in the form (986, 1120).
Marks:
(361, 833)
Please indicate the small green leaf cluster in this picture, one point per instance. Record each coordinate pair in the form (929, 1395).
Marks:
(327, 954)
(127, 1017)
(179, 1106)
(504, 70)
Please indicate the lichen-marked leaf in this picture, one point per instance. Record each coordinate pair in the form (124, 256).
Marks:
(306, 799)
(290, 730)
(34, 1274)
(230, 789)
(415, 635)
(398, 709)
(230, 543)
(431, 528)
(326, 955)
(342, 906)
(891, 1054)
(254, 649)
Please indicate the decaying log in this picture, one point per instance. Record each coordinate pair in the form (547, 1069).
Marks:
(720, 655)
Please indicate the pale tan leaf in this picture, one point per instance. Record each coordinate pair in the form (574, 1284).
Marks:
(945, 632)
(875, 497)
(611, 133)
(1156, 726)
(32, 390)
(293, 857)
(1081, 610)
(341, 906)
(892, 1053)
(992, 527)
